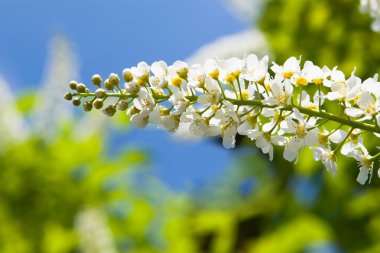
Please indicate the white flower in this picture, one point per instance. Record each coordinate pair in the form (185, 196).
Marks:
(368, 106)
(365, 162)
(144, 101)
(140, 119)
(175, 79)
(290, 67)
(249, 122)
(198, 125)
(256, 70)
(160, 71)
(231, 69)
(265, 141)
(159, 68)
(273, 116)
(354, 142)
(196, 76)
(181, 68)
(314, 74)
(281, 91)
(327, 157)
(311, 104)
(211, 68)
(143, 105)
(170, 122)
(141, 72)
(371, 85)
(337, 136)
(227, 121)
(298, 127)
(213, 93)
(131, 87)
(180, 102)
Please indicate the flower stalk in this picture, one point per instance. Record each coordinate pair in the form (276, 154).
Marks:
(278, 105)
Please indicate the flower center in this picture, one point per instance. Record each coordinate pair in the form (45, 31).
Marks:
(282, 98)
(317, 81)
(214, 74)
(301, 131)
(177, 81)
(329, 155)
(323, 138)
(367, 161)
(287, 75)
(301, 81)
(252, 120)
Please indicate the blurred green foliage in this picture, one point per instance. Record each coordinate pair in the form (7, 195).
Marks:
(332, 33)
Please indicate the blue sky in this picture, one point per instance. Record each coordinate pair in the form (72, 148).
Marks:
(109, 36)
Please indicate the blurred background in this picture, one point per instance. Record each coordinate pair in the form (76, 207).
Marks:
(75, 182)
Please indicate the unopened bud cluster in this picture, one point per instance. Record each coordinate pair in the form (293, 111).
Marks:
(98, 98)
(278, 105)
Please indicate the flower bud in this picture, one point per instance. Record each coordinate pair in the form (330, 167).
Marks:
(100, 93)
(181, 68)
(73, 85)
(87, 106)
(133, 110)
(122, 105)
(114, 79)
(98, 103)
(109, 110)
(96, 80)
(131, 87)
(68, 96)
(81, 88)
(214, 74)
(108, 85)
(127, 75)
(76, 101)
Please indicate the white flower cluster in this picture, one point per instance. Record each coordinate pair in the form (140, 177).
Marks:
(278, 105)
(372, 7)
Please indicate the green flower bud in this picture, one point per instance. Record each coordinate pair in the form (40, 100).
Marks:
(100, 93)
(122, 105)
(114, 79)
(76, 101)
(127, 75)
(87, 106)
(98, 103)
(73, 85)
(96, 80)
(68, 96)
(109, 110)
(81, 88)
(108, 85)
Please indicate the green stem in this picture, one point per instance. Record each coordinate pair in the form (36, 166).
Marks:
(233, 87)
(277, 122)
(221, 88)
(241, 94)
(341, 144)
(376, 156)
(319, 98)
(314, 113)
(310, 112)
